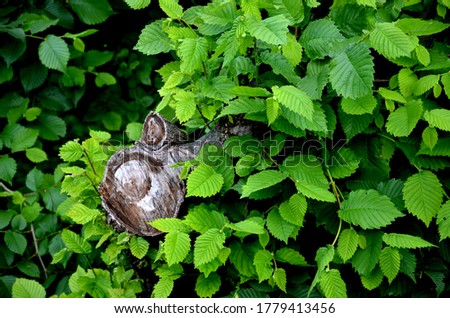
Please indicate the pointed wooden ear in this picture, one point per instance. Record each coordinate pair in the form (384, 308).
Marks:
(158, 131)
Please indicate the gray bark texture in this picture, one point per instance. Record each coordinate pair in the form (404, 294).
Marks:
(139, 184)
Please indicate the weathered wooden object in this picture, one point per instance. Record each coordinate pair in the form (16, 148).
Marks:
(140, 185)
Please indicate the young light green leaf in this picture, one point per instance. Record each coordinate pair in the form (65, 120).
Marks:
(75, 242)
(425, 83)
(27, 288)
(176, 247)
(168, 225)
(278, 227)
(204, 182)
(138, 4)
(139, 247)
(248, 226)
(294, 210)
(347, 243)
(430, 137)
(419, 27)
(407, 82)
(319, 38)
(294, 99)
(423, 195)
(262, 180)
(185, 105)
(36, 155)
(54, 53)
(373, 279)
(352, 71)
(423, 55)
(332, 284)
(391, 95)
(153, 40)
(390, 41)
(207, 246)
(105, 79)
(362, 105)
(81, 214)
(290, 256)
(171, 8)
(292, 50)
(263, 264)
(439, 118)
(272, 110)
(207, 286)
(272, 30)
(404, 119)
(368, 209)
(202, 218)
(443, 221)
(71, 151)
(279, 277)
(405, 241)
(193, 52)
(390, 262)
(163, 288)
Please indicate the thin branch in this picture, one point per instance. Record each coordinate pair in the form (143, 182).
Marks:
(37, 250)
(5, 188)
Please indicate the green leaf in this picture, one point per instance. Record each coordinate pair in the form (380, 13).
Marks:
(163, 288)
(207, 286)
(373, 279)
(176, 247)
(73, 76)
(292, 50)
(439, 118)
(33, 76)
(362, 105)
(425, 83)
(391, 41)
(352, 71)
(104, 79)
(407, 82)
(419, 27)
(307, 173)
(294, 210)
(262, 180)
(134, 131)
(272, 110)
(171, 8)
(169, 225)
(241, 257)
(391, 95)
(153, 40)
(445, 79)
(204, 182)
(347, 243)
(91, 12)
(138, 4)
(319, 38)
(423, 55)
(16, 242)
(272, 30)
(81, 214)
(207, 246)
(443, 221)
(248, 226)
(51, 127)
(29, 268)
(290, 256)
(332, 284)
(390, 262)
(294, 99)
(139, 247)
(23, 138)
(31, 212)
(27, 288)
(279, 277)
(54, 53)
(36, 155)
(430, 137)
(201, 218)
(365, 259)
(405, 241)
(423, 195)
(8, 168)
(185, 105)
(368, 209)
(278, 227)
(343, 163)
(71, 151)
(263, 265)
(404, 119)
(75, 242)
(193, 52)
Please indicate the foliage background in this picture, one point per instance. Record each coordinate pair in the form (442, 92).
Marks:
(77, 78)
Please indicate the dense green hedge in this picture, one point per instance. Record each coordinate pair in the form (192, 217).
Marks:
(342, 190)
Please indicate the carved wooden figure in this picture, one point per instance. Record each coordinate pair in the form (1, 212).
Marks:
(140, 185)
